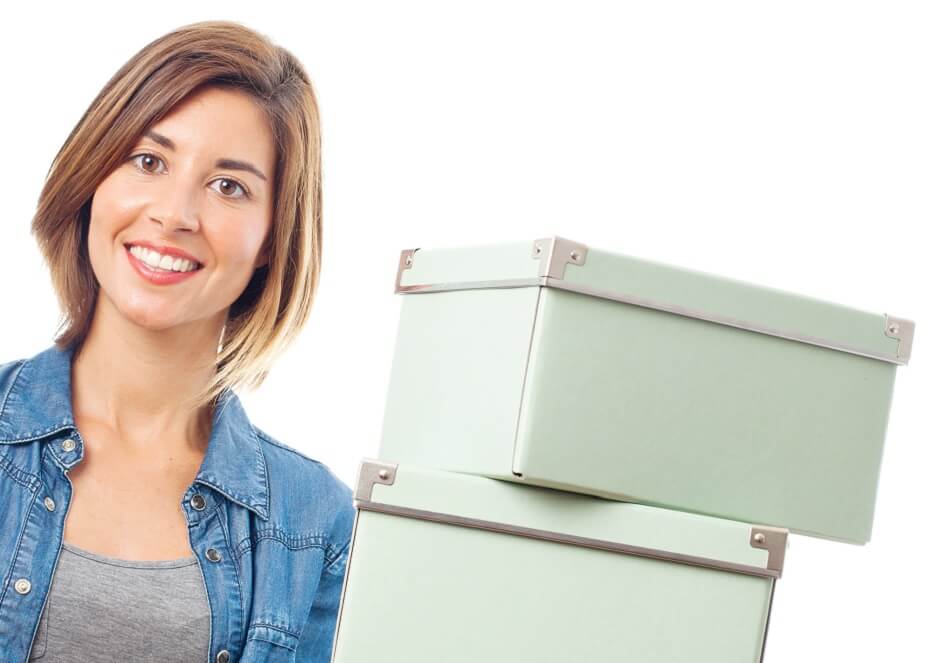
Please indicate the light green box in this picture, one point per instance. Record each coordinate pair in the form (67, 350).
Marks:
(559, 365)
(456, 567)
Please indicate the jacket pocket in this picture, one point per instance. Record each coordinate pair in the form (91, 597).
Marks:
(267, 644)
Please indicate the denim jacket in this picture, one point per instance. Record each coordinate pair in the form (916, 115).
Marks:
(270, 527)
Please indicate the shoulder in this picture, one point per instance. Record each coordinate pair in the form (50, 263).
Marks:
(9, 371)
(304, 490)
(12, 365)
(286, 458)
(8, 374)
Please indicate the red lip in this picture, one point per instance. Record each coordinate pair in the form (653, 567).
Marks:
(165, 250)
(158, 277)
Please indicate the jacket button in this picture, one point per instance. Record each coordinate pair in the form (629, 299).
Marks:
(197, 502)
(22, 586)
(214, 556)
(69, 444)
(50, 504)
(222, 657)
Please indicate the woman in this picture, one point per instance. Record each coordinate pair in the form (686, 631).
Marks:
(143, 515)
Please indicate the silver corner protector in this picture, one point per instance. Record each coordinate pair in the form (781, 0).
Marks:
(555, 253)
(773, 539)
(406, 257)
(903, 330)
(371, 473)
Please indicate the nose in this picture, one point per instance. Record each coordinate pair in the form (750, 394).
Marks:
(174, 209)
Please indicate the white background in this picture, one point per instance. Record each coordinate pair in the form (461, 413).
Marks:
(803, 146)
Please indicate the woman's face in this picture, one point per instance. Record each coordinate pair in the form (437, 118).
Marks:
(197, 186)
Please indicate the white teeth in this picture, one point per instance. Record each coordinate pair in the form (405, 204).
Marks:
(156, 260)
(153, 258)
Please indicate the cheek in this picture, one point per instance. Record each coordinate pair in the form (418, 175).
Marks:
(238, 247)
(112, 205)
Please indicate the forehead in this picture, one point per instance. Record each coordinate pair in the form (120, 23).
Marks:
(220, 123)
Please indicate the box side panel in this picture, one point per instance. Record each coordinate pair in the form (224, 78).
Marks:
(456, 379)
(428, 592)
(732, 298)
(481, 498)
(633, 403)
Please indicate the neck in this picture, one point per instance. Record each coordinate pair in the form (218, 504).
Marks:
(136, 381)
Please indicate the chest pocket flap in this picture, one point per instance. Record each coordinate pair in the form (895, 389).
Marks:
(266, 644)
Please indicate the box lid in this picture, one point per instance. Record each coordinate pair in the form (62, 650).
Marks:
(561, 263)
(554, 515)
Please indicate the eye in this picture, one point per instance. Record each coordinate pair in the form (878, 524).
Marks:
(148, 157)
(231, 184)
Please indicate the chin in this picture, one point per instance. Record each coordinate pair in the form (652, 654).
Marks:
(152, 322)
(147, 315)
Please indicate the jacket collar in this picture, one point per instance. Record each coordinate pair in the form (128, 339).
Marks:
(36, 402)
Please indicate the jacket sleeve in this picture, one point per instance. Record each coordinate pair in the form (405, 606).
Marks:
(315, 644)
(316, 639)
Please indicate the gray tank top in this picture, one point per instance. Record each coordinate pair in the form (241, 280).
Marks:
(104, 609)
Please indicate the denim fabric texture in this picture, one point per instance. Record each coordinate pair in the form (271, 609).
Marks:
(271, 529)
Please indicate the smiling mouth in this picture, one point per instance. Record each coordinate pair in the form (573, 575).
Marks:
(157, 269)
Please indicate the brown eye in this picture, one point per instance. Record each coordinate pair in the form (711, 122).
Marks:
(148, 161)
(228, 186)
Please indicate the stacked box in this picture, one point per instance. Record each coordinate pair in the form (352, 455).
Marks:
(558, 387)
(456, 567)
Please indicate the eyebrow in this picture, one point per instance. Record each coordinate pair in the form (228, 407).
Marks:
(228, 164)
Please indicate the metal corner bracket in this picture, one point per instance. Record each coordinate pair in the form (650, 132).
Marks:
(406, 257)
(371, 473)
(903, 330)
(773, 539)
(555, 253)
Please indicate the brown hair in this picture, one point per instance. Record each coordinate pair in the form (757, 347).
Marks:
(277, 301)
